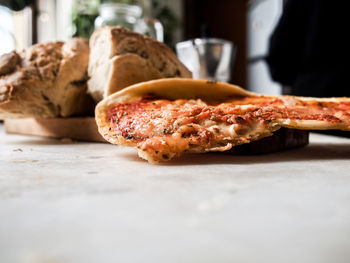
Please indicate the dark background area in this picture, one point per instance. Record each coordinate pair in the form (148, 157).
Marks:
(224, 19)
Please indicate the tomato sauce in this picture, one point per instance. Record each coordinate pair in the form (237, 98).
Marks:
(150, 116)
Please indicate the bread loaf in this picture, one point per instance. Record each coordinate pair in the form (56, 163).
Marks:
(120, 58)
(45, 80)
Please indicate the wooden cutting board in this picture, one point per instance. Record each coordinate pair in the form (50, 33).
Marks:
(283, 139)
(85, 129)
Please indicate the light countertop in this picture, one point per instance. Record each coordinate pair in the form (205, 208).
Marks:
(63, 202)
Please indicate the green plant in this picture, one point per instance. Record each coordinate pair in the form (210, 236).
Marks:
(84, 14)
(86, 11)
(169, 21)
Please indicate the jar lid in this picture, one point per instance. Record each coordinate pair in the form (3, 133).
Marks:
(110, 9)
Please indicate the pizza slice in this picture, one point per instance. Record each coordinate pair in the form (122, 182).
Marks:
(165, 118)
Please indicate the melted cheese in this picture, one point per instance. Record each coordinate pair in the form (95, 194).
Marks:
(163, 129)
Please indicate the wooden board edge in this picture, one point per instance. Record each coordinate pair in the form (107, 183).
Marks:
(80, 128)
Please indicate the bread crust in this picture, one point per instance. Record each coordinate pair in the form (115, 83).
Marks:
(120, 58)
(45, 80)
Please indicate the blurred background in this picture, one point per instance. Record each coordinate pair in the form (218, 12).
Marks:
(246, 24)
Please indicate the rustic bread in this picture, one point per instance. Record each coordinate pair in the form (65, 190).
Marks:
(120, 58)
(45, 80)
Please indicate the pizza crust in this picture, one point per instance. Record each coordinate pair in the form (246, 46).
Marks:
(179, 88)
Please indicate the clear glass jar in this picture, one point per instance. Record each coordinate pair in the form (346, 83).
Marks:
(130, 17)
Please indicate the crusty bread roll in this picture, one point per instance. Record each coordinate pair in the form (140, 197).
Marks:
(45, 80)
(120, 58)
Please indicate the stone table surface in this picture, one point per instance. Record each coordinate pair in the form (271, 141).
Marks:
(63, 201)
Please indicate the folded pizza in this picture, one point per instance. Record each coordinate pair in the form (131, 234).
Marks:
(165, 118)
